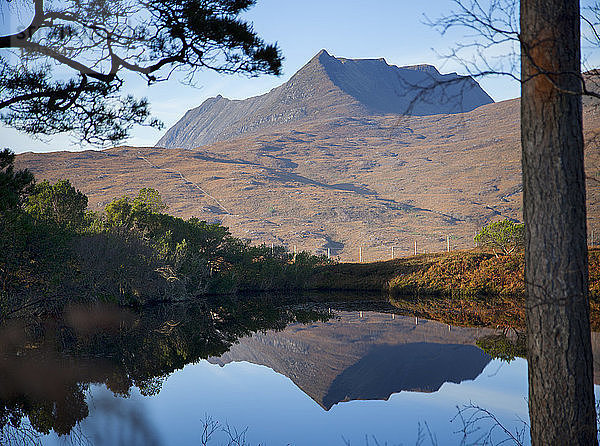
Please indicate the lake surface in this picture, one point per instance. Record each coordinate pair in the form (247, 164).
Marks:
(303, 375)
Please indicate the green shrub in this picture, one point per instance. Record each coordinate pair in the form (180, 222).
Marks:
(505, 236)
(59, 203)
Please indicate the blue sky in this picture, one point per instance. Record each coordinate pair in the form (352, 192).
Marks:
(392, 29)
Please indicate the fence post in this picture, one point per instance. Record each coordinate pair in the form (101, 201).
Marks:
(415, 247)
(360, 254)
(447, 243)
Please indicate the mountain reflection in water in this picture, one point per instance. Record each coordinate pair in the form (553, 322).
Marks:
(48, 369)
(365, 355)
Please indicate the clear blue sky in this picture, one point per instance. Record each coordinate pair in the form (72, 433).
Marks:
(392, 29)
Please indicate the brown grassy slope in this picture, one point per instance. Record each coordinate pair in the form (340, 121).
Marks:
(460, 273)
(374, 182)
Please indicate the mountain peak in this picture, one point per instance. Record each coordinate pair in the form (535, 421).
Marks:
(321, 58)
(415, 90)
(330, 87)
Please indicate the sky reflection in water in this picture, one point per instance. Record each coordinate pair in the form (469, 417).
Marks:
(276, 411)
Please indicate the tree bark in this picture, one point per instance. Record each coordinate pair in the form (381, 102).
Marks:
(561, 389)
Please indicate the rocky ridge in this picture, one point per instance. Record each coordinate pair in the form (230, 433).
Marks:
(329, 87)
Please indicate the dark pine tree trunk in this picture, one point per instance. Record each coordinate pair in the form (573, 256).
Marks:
(561, 394)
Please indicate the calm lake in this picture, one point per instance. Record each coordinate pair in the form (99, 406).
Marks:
(252, 372)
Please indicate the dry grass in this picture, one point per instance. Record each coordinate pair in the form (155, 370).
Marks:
(469, 272)
(463, 273)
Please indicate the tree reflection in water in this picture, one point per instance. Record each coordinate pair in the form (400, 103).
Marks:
(47, 367)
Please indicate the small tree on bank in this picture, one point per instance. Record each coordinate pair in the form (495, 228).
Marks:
(14, 185)
(504, 237)
(60, 203)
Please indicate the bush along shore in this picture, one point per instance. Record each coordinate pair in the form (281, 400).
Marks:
(131, 255)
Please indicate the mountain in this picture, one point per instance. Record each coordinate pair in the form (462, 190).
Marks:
(329, 87)
(365, 356)
(345, 178)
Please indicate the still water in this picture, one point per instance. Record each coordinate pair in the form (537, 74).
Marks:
(257, 374)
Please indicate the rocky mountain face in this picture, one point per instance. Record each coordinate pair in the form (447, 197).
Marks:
(328, 87)
(365, 356)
